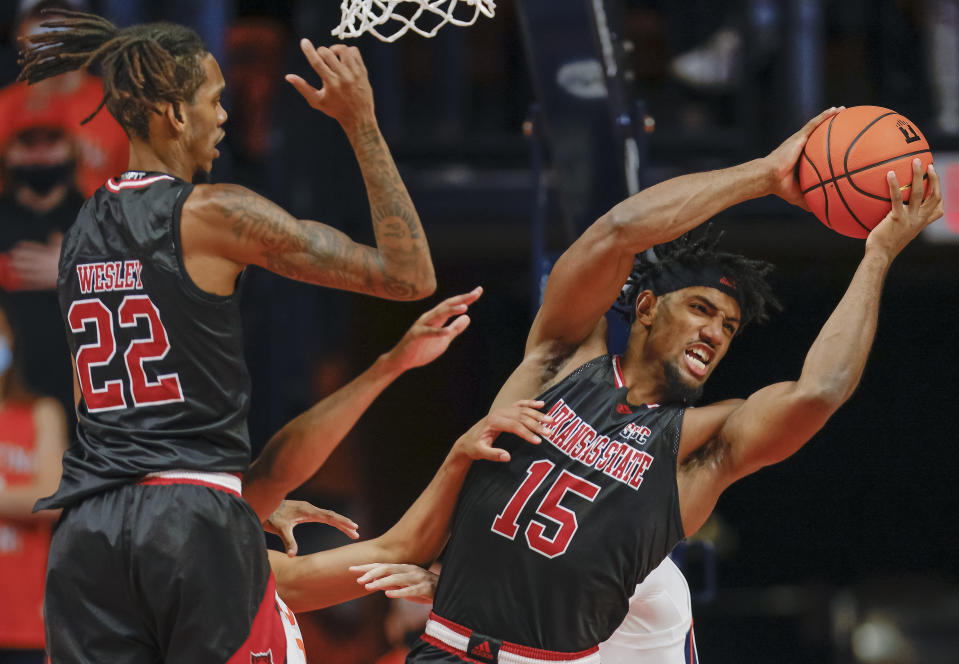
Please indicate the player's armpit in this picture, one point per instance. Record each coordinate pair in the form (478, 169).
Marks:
(235, 224)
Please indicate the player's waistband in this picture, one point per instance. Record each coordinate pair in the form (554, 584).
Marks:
(447, 635)
(228, 482)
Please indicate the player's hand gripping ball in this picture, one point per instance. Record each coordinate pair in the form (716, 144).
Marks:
(842, 170)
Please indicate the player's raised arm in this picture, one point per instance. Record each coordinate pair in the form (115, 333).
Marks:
(233, 223)
(587, 278)
(322, 579)
(298, 450)
(777, 420)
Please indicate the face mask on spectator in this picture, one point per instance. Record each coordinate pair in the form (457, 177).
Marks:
(6, 355)
(41, 179)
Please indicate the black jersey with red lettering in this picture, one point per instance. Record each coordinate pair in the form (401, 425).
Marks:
(159, 361)
(547, 549)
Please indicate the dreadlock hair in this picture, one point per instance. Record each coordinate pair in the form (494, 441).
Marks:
(756, 298)
(142, 66)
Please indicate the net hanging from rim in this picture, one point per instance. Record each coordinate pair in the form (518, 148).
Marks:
(383, 20)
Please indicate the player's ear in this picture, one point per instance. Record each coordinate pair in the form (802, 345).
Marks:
(171, 113)
(645, 307)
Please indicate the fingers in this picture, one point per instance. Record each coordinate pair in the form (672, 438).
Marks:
(934, 194)
(399, 573)
(350, 56)
(916, 182)
(819, 119)
(320, 64)
(313, 96)
(488, 453)
(451, 306)
(459, 324)
(341, 523)
(421, 593)
(895, 194)
(289, 541)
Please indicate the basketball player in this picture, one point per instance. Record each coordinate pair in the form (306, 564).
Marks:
(157, 557)
(567, 529)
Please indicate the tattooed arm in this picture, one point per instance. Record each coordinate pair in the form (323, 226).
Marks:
(226, 227)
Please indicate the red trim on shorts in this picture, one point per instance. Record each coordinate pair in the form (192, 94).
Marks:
(515, 648)
(436, 643)
(169, 481)
(267, 637)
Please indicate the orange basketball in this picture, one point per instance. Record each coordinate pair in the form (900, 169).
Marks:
(842, 170)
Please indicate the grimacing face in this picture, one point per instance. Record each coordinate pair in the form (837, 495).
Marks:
(691, 331)
(204, 118)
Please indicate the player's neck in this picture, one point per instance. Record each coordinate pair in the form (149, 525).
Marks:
(163, 159)
(643, 378)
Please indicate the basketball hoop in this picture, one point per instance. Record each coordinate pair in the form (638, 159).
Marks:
(386, 20)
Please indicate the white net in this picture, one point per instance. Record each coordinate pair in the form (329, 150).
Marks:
(388, 20)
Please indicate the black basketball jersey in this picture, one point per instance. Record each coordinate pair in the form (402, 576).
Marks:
(547, 549)
(159, 361)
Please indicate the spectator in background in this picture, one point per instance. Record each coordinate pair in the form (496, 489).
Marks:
(33, 437)
(71, 97)
(39, 202)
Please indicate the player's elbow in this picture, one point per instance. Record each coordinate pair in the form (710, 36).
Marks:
(417, 286)
(425, 286)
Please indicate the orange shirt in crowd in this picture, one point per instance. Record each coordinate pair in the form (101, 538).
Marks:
(103, 146)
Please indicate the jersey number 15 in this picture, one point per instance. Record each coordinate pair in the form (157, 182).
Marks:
(111, 395)
(506, 524)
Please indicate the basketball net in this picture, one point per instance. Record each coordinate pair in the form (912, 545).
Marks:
(383, 20)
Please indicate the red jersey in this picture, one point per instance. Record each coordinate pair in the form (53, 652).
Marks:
(23, 545)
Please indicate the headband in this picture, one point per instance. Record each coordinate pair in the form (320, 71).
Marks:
(677, 276)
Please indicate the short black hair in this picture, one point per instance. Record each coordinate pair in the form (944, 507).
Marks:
(696, 249)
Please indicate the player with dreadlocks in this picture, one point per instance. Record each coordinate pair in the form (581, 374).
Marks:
(147, 290)
(568, 528)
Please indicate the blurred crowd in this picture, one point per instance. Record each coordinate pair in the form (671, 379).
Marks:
(458, 101)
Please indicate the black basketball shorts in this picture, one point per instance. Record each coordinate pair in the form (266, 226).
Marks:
(163, 572)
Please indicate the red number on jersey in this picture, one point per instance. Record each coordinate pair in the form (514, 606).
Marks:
(166, 389)
(565, 517)
(505, 523)
(110, 396)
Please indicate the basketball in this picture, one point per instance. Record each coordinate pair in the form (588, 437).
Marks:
(842, 170)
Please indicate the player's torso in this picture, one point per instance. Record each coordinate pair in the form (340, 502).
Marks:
(160, 362)
(547, 549)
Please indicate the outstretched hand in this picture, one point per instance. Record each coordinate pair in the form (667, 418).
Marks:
(399, 581)
(783, 160)
(905, 221)
(346, 94)
(290, 513)
(523, 419)
(430, 336)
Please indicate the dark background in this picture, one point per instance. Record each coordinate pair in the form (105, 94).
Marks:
(860, 523)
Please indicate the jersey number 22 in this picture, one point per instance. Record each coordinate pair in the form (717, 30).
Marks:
(111, 396)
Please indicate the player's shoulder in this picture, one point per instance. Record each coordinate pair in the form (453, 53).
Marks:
(211, 202)
(221, 199)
